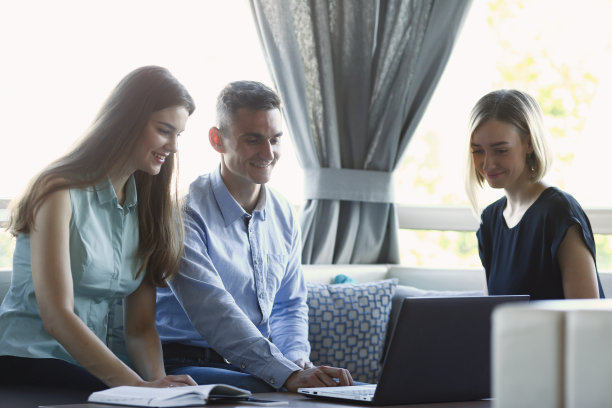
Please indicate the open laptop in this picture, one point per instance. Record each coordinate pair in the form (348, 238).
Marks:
(439, 351)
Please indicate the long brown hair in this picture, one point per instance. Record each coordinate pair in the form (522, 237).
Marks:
(105, 146)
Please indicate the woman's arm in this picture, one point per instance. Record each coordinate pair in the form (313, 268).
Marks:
(577, 266)
(141, 338)
(52, 277)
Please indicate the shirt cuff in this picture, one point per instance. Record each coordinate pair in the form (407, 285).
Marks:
(276, 372)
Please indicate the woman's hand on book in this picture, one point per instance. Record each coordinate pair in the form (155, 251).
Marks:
(170, 381)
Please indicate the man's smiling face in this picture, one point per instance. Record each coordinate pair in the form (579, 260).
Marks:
(252, 147)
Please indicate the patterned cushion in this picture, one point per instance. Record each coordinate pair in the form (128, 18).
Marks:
(347, 325)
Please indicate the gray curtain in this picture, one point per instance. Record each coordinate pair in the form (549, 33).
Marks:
(355, 77)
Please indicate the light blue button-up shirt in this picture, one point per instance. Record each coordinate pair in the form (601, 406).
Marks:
(240, 283)
(103, 262)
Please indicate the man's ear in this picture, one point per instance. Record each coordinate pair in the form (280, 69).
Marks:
(215, 139)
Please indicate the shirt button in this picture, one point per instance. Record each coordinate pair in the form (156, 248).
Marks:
(243, 366)
(271, 380)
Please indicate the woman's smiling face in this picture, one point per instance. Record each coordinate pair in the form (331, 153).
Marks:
(499, 152)
(158, 140)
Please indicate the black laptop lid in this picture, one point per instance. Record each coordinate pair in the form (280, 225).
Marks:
(440, 350)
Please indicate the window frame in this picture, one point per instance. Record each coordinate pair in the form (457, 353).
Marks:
(437, 218)
(461, 218)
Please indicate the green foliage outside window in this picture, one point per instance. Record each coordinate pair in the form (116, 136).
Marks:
(603, 249)
(533, 53)
(439, 249)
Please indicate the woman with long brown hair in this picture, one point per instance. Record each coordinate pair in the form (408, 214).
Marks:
(97, 225)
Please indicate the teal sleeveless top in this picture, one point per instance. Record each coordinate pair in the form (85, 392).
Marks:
(103, 261)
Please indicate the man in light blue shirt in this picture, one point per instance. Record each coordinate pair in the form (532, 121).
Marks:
(236, 313)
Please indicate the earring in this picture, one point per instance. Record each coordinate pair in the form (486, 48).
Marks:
(531, 164)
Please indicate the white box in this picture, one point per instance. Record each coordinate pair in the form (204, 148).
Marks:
(588, 357)
(527, 356)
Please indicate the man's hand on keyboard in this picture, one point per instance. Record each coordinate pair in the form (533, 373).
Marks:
(303, 363)
(322, 376)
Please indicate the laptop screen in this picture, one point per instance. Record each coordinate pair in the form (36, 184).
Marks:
(440, 350)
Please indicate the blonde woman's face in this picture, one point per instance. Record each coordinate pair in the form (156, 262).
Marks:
(158, 140)
(499, 155)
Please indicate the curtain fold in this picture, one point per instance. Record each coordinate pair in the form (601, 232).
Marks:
(355, 77)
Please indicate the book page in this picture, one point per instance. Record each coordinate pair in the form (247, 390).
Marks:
(164, 397)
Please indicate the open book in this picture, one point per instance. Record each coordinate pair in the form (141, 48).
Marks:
(177, 396)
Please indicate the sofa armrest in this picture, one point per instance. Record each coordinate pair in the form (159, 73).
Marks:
(439, 279)
(359, 273)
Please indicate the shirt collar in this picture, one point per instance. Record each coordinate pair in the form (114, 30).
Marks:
(230, 209)
(106, 193)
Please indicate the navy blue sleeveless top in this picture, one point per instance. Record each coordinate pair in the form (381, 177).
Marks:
(523, 259)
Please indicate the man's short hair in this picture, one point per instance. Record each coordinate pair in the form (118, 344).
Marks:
(243, 94)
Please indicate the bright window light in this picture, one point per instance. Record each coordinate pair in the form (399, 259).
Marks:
(564, 61)
(62, 58)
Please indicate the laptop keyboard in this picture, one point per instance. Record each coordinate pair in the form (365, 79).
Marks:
(356, 391)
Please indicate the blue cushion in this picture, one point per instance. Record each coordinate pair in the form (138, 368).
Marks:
(347, 325)
(342, 278)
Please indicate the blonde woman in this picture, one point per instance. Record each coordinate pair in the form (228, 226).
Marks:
(98, 224)
(535, 240)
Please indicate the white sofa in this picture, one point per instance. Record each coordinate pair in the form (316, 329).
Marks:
(427, 279)
(412, 281)
(423, 278)
(438, 279)
(419, 277)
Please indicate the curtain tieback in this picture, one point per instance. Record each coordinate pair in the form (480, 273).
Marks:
(348, 185)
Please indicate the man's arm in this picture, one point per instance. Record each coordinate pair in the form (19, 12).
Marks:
(289, 317)
(215, 315)
(289, 327)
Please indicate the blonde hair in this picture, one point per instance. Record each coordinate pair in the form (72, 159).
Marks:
(107, 145)
(521, 110)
